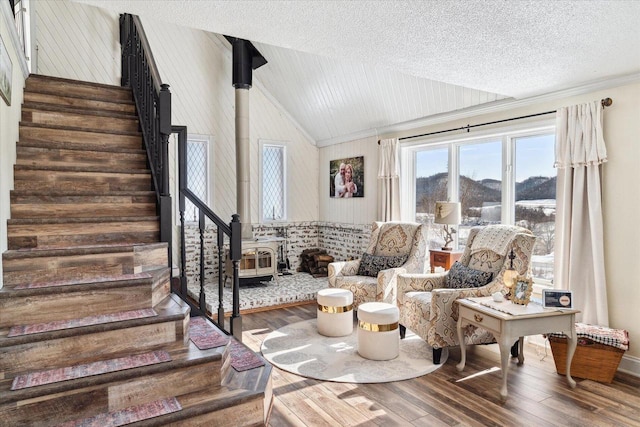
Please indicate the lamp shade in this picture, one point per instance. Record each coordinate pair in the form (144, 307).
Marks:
(447, 213)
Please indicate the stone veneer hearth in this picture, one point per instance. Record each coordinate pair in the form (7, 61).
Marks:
(342, 241)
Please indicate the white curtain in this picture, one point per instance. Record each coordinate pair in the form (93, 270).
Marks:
(388, 181)
(579, 254)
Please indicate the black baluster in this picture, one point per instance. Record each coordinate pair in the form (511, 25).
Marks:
(203, 302)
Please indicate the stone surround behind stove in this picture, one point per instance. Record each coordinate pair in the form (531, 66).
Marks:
(342, 241)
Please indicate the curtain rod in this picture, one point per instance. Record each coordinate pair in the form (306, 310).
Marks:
(606, 102)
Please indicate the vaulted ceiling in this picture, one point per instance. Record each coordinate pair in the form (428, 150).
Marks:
(351, 68)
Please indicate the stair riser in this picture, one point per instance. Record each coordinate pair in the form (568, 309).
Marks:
(70, 238)
(85, 210)
(249, 413)
(91, 266)
(71, 305)
(33, 156)
(85, 121)
(41, 180)
(84, 403)
(64, 88)
(88, 139)
(81, 349)
(65, 101)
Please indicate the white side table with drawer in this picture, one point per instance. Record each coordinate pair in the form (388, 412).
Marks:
(508, 322)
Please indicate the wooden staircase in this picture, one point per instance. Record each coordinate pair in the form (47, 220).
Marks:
(90, 333)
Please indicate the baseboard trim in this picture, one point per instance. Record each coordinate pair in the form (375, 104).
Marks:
(630, 365)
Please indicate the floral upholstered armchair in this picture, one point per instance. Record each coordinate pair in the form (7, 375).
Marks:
(394, 248)
(427, 302)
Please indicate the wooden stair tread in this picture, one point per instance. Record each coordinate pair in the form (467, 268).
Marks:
(76, 285)
(128, 103)
(96, 169)
(170, 308)
(129, 415)
(81, 129)
(26, 195)
(53, 79)
(185, 356)
(88, 137)
(43, 221)
(74, 100)
(57, 145)
(40, 106)
(77, 250)
(238, 406)
(66, 87)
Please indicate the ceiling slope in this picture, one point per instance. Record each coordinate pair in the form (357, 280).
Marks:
(341, 67)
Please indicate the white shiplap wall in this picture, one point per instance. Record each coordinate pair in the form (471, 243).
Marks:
(357, 210)
(9, 119)
(77, 42)
(82, 42)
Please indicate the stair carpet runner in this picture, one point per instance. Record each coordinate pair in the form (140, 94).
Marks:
(204, 335)
(84, 267)
(201, 333)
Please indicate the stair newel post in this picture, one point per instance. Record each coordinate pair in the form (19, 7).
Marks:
(182, 184)
(203, 301)
(164, 119)
(235, 253)
(221, 275)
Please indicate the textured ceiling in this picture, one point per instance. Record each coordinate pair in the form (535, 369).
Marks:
(502, 48)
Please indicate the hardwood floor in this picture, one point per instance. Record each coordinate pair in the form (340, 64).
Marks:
(538, 396)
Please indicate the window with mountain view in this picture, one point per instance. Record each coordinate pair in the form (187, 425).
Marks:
(508, 178)
(480, 185)
(432, 183)
(535, 197)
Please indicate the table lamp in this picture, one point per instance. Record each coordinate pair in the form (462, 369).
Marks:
(447, 213)
(510, 275)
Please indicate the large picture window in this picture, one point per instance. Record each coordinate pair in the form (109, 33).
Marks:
(504, 177)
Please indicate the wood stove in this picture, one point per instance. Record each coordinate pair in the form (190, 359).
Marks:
(258, 262)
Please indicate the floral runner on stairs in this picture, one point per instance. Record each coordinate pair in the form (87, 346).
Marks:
(205, 336)
(76, 323)
(96, 368)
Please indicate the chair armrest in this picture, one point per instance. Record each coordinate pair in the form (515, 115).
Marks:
(444, 312)
(342, 268)
(448, 297)
(418, 283)
(387, 288)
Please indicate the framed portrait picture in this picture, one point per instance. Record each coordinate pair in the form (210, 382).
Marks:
(6, 69)
(346, 177)
(522, 290)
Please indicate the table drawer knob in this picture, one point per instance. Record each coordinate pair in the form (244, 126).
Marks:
(478, 318)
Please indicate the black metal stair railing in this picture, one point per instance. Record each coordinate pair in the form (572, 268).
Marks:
(153, 104)
(228, 235)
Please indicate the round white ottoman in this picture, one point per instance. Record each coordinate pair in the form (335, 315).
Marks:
(335, 312)
(378, 334)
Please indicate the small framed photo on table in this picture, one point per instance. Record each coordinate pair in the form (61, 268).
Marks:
(522, 290)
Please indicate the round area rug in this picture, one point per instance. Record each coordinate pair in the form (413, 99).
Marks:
(299, 348)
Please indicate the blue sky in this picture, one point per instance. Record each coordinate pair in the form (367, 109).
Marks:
(534, 157)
